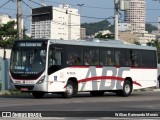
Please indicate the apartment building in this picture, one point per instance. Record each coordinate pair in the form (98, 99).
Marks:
(4, 18)
(136, 15)
(128, 37)
(61, 22)
(145, 38)
(124, 27)
(83, 33)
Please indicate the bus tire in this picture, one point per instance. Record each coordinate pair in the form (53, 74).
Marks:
(97, 93)
(70, 90)
(38, 94)
(127, 89)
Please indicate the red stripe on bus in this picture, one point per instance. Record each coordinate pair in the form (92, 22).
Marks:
(100, 77)
(105, 78)
(134, 82)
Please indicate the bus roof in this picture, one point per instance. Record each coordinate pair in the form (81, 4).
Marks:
(95, 42)
(100, 43)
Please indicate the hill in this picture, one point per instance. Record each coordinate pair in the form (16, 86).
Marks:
(92, 28)
(150, 27)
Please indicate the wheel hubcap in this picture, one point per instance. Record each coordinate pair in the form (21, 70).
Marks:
(127, 88)
(69, 89)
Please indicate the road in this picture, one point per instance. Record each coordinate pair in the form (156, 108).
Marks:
(84, 102)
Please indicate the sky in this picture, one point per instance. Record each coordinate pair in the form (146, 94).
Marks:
(91, 8)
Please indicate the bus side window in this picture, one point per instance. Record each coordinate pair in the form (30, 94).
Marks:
(70, 60)
(136, 58)
(110, 57)
(134, 63)
(73, 59)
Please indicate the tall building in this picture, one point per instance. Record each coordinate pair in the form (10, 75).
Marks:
(4, 18)
(83, 33)
(159, 24)
(61, 22)
(135, 15)
(122, 27)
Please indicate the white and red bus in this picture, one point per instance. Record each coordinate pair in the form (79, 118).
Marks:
(44, 66)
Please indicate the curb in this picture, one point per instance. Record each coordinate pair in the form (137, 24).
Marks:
(149, 89)
(157, 90)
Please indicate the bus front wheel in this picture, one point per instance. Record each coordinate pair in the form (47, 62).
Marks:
(70, 90)
(127, 89)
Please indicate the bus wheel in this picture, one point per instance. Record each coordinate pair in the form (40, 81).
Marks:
(97, 93)
(70, 90)
(127, 89)
(38, 94)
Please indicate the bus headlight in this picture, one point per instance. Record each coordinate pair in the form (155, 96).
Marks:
(41, 80)
(10, 79)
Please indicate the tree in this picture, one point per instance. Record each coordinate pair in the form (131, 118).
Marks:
(155, 43)
(150, 27)
(7, 30)
(8, 34)
(92, 28)
(137, 43)
(105, 36)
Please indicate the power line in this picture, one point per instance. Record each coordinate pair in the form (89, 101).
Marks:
(64, 12)
(5, 3)
(92, 6)
(152, 22)
(8, 8)
(152, 9)
(36, 3)
(82, 6)
(71, 14)
(26, 4)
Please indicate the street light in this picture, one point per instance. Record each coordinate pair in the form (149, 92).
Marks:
(80, 5)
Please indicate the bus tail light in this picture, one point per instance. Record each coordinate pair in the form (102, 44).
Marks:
(41, 80)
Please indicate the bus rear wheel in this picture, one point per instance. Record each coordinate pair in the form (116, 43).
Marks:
(70, 90)
(127, 89)
(38, 94)
(97, 93)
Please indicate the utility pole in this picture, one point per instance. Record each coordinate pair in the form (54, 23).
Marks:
(116, 2)
(80, 9)
(19, 20)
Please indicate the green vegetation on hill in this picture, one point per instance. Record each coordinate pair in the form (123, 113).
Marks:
(150, 27)
(92, 28)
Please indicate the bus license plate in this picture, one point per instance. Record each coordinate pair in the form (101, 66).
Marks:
(24, 89)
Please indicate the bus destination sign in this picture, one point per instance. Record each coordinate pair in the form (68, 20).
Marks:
(30, 44)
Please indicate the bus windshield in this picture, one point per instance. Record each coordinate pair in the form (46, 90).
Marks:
(28, 61)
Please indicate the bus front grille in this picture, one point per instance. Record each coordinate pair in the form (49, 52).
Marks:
(24, 86)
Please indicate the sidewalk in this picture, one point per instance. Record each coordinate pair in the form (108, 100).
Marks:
(149, 89)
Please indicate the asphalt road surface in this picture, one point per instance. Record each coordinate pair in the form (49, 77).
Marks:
(139, 101)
